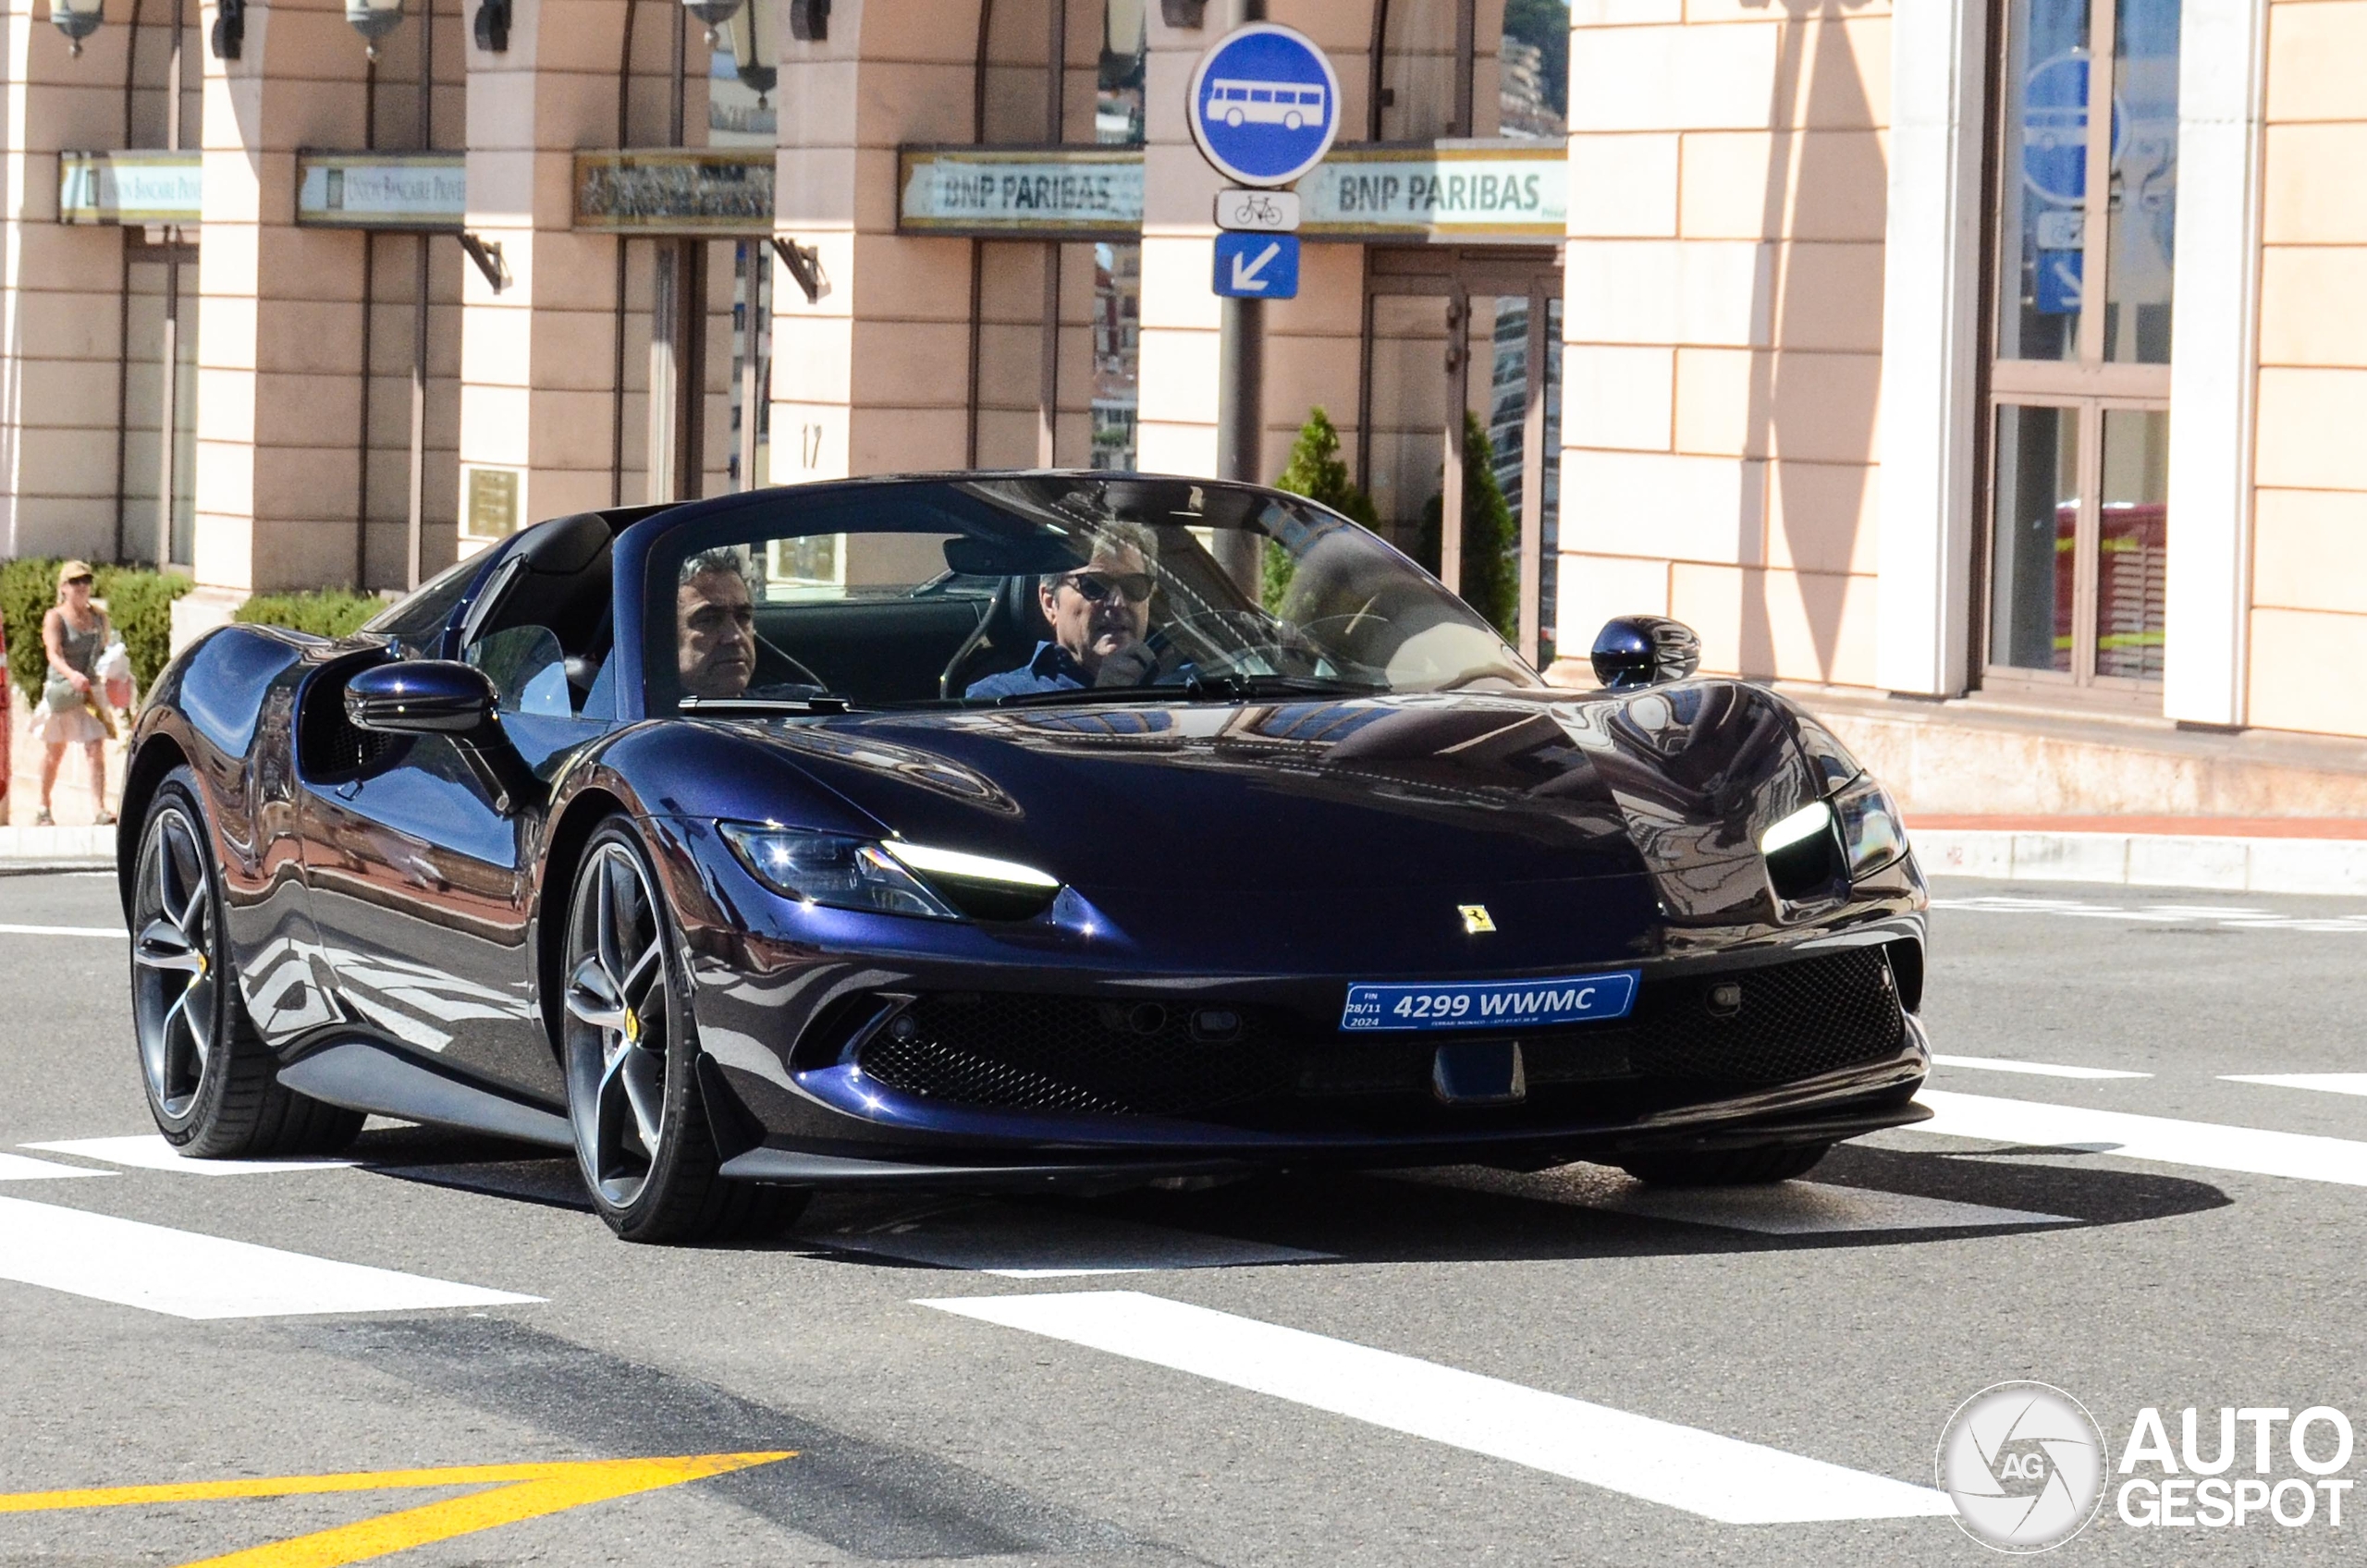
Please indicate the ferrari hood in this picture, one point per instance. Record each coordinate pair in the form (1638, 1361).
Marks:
(1445, 790)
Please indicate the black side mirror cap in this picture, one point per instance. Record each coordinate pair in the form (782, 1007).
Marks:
(1644, 650)
(420, 697)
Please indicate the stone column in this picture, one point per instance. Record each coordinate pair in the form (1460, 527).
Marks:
(279, 316)
(60, 317)
(874, 377)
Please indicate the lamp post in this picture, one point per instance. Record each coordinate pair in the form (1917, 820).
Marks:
(373, 19)
(77, 19)
(712, 14)
(755, 60)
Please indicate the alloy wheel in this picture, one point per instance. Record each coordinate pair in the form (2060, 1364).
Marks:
(617, 1008)
(173, 962)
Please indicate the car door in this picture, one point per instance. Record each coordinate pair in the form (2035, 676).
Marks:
(418, 888)
(420, 879)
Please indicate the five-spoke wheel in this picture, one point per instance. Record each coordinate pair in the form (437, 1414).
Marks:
(630, 1049)
(210, 1081)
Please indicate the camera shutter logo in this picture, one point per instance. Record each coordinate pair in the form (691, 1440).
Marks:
(2024, 1464)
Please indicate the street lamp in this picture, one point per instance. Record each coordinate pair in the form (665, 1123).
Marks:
(712, 14)
(754, 59)
(77, 19)
(373, 19)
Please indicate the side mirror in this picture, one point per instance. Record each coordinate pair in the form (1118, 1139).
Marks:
(420, 697)
(1644, 650)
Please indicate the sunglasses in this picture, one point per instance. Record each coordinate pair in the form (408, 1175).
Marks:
(1098, 585)
(83, 582)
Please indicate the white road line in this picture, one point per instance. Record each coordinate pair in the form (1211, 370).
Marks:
(117, 932)
(2037, 1069)
(2325, 1083)
(1718, 1477)
(187, 1275)
(2159, 1139)
(20, 1168)
(1811, 1208)
(148, 1151)
(1019, 1243)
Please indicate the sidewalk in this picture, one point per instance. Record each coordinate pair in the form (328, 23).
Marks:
(2240, 854)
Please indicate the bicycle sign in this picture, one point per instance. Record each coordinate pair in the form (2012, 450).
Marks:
(1265, 104)
(1257, 212)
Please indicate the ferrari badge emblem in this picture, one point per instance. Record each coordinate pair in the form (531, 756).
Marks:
(1477, 922)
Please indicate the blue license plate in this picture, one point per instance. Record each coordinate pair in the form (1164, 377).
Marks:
(1491, 1004)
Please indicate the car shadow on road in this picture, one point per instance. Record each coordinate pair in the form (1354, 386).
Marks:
(1859, 1196)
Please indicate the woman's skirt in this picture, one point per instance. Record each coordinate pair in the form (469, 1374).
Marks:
(75, 727)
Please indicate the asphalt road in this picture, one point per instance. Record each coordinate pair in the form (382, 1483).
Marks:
(2108, 1235)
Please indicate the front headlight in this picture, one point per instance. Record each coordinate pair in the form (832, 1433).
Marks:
(1871, 831)
(888, 876)
(825, 868)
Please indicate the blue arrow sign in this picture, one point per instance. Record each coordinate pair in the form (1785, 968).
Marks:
(1258, 266)
(1265, 104)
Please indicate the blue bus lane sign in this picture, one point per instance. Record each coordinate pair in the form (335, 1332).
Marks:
(1265, 104)
(1257, 266)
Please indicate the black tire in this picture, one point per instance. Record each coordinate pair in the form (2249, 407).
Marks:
(622, 982)
(213, 1085)
(1762, 1166)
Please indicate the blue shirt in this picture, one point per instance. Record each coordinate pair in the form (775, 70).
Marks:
(1051, 668)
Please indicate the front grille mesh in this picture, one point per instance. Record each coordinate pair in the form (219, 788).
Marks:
(1013, 1051)
(1797, 1020)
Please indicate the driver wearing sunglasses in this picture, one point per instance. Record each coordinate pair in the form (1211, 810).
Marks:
(1099, 614)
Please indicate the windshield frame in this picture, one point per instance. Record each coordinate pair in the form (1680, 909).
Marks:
(644, 609)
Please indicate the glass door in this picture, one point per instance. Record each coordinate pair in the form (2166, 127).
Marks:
(1462, 398)
(2079, 383)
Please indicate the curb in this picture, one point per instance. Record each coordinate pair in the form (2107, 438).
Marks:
(87, 846)
(2148, 860)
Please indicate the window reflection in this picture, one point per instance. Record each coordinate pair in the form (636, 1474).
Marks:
(2032, 575)
(2042, 186)
(2132, 557)
(2144, 182)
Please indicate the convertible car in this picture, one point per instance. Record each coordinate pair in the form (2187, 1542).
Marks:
(985, 830)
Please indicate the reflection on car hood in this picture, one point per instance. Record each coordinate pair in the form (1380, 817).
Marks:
(1452, 792)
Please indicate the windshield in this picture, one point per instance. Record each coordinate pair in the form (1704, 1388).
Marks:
(1047, 589)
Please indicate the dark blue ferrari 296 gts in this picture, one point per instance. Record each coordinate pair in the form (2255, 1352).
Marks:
(984, 830)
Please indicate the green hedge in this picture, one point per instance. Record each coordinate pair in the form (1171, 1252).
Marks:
(331, 612)
(139, 603)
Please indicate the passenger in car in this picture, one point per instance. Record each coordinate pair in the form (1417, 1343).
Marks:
(715, 626)
(1098, 613)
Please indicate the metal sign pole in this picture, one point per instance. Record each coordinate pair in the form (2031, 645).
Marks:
(1241, 386)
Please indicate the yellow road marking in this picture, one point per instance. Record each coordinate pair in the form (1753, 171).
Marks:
(518, 1493)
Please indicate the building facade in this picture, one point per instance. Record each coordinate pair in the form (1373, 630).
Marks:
(2020, 437)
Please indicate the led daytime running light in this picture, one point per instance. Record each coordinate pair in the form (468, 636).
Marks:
(1805, 823)
(969, 867)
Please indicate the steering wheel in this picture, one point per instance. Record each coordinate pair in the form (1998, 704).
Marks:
(1273, 644)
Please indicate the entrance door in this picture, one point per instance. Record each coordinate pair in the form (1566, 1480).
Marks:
(1462, 398)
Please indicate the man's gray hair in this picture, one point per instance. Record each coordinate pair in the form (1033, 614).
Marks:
(725, 560)
(1110, 537)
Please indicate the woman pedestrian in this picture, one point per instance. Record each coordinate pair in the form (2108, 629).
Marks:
(72, 633)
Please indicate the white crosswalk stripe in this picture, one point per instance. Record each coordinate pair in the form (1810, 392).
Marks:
(2035, 1068)
(2325, 1083)
(2229, 917)
(115, 932)
(1678, 1466)
(183, 1274)
(1813, 1209)
(21, 1168)
(148, 1151)
(1024, 1244)
(2160, 1140)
